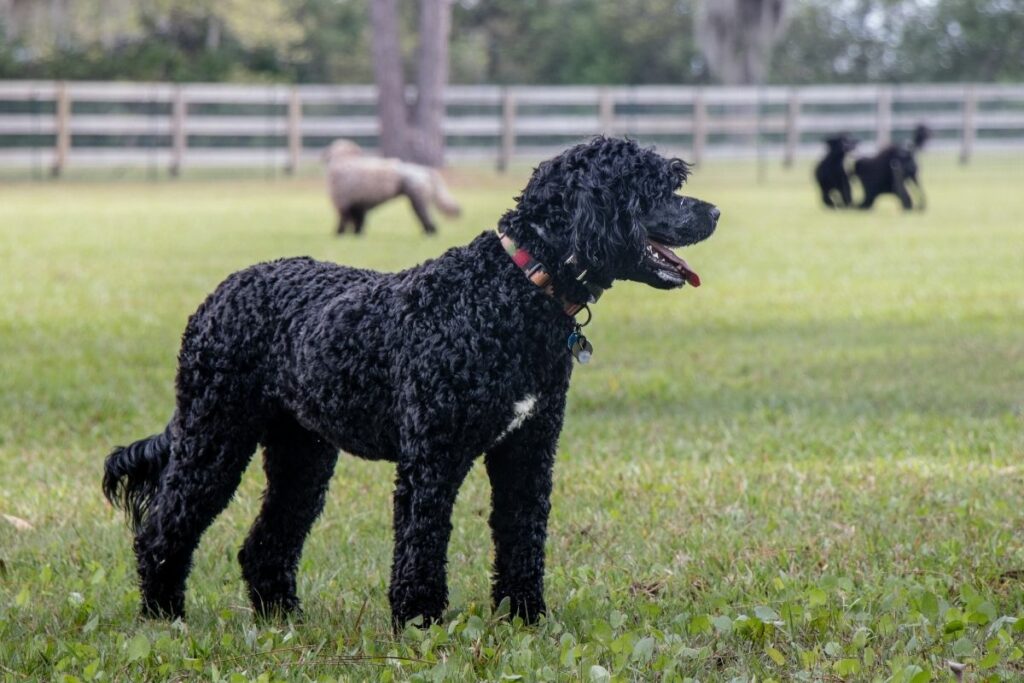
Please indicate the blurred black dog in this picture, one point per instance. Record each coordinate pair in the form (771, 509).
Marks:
(428, 368)
(831, 172)
(889, 171)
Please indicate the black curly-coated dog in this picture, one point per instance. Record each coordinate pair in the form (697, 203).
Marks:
(890, 171)
(467, 354)
(831, 172)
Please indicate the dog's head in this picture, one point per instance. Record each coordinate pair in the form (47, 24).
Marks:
(841, 144)
(340, 149)
(922, 133)
(612, 209)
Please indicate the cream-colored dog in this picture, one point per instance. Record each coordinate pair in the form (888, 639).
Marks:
(358, 182)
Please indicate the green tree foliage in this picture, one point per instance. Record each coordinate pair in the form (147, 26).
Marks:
(335, 44)
(576, 41)
(151, 39)
(902, 41)
(496, 41)
(978, 40)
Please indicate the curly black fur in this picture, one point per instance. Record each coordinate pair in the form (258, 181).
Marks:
(427, 368)
(889, 171)
(831, 172)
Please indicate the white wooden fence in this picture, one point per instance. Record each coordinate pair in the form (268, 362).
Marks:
(55, 125)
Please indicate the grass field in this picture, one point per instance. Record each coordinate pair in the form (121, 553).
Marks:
(811, 468)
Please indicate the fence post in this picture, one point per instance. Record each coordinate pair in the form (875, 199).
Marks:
(605, 111)
(967, 137)
(792, 127)
(883, 118)
(508, 129)
(294, 131)
(700, 126)
(179, 140)
(62, 121)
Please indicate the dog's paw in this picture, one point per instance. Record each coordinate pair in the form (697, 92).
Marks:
(164, 607)
(277, 609)
(421, 621)
(422, 604)
(529, 611)
(529, 608)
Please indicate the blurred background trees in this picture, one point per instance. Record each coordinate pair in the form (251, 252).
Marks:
(736, 37)
(414, 133)
(902, 41)
(528, 41)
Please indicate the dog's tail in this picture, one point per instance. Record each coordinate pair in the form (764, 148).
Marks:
(442, 197)
(131, 475)
(922, 133)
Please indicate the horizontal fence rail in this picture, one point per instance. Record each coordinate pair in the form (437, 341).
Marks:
(54, 125)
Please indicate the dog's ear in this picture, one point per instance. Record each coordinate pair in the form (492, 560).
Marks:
(589, 225)
(607, 205)
(605, 223)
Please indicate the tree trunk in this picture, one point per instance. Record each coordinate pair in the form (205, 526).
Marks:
(432, 77)
(387, 70)
(737, 36)
(213, 32)
(6, 18)
(60, 25)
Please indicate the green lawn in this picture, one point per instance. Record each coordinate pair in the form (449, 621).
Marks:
(811, 468)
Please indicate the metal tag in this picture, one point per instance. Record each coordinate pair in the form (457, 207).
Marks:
(581, 349)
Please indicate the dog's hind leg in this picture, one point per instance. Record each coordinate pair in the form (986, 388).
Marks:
(905, 200)
(425, 490)
(358, 218)
(208, 455)
(846, 192)
(919, 192)
(419, 205)
(298, 465)
(519, 469)
(899, 186)
(870, 194)
(826, 197)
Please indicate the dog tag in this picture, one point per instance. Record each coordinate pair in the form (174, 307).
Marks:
(581, 348)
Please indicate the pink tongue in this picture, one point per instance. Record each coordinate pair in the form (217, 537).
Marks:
(688, 273)
(681, 266)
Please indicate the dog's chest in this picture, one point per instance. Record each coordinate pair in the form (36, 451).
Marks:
(520, 411)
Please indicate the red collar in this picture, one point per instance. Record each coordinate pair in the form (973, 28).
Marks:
(538, 275)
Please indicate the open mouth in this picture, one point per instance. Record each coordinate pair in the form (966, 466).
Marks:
(668, 266)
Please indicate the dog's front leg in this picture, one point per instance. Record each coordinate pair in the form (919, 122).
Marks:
(846, 191)
(425, 491)
(920, 192)
(520, 472)
(899, 186)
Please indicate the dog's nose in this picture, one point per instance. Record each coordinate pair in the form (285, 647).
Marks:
(714, 213)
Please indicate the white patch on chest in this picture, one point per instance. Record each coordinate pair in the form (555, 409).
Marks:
(521, 411)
